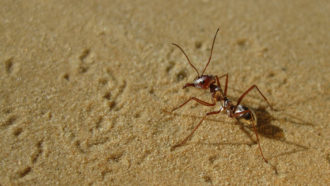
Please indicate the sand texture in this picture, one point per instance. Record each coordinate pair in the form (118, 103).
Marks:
(86, 90)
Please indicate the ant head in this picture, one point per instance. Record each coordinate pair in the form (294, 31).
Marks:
(202, 82)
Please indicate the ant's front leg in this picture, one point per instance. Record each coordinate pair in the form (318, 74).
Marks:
(193, 131)
(226, 85)
(198, 101)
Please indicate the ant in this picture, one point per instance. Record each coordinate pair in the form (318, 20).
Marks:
(240, 112)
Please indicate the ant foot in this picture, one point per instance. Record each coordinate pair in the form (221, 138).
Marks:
(175, 146)
(275, 109)
(174, 109)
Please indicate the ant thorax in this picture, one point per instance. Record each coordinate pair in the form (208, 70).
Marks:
(225, 107)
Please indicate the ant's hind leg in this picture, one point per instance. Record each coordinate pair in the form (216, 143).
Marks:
(197, 100)
(247, 91)
(188, 137)
(237, 115)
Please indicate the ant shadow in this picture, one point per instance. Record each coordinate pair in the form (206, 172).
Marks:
(265, 128)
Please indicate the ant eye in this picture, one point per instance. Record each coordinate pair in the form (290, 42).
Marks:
(202, 81)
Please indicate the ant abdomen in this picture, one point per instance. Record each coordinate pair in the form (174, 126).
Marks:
(248, 118)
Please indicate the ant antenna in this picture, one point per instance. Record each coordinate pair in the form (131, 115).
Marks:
(215, 36)
(186, 57)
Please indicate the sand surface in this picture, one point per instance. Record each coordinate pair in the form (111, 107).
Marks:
(86, 88)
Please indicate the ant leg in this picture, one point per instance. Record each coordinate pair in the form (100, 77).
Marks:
(237, 115)
(187, 138)
(218, 82)
(226, 85)
(246, 92)
(197, 100)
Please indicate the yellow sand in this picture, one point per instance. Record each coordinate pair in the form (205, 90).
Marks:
(86, 88)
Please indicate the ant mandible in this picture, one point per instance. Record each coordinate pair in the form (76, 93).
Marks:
(240, 112)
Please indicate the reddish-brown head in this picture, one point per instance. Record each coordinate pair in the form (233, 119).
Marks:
(202, 82)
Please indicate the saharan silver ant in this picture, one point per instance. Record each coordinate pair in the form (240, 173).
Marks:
(240, 112)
